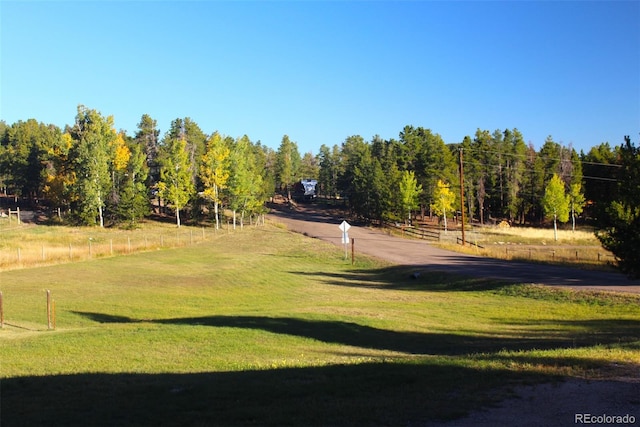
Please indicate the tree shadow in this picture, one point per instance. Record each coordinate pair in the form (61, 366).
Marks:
(403, 277)
(554, 334)
(370, 394)
(430, 383)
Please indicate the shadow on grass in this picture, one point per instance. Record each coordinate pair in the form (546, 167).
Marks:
(369, 394)
(406, 391)
(401, 277)
(555, 334)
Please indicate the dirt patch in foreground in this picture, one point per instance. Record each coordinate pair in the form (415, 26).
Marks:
(570, 403)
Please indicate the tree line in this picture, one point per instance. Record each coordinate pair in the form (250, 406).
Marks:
(94, 174)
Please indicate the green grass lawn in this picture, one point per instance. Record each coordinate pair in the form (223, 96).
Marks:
(265, 327)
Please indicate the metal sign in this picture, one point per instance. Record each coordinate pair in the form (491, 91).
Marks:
(344, 227)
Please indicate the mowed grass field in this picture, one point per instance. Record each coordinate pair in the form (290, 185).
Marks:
(265, 327)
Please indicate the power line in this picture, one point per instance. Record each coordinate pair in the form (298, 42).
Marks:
(529, 170)
(537, 155)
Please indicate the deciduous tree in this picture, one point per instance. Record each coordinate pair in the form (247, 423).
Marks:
(214, 171)
(176, 184)
(555, 203)
(287, 164)
(443, 200)
(94, 136)
(409, 193)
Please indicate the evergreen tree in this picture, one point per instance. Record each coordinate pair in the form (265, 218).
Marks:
(309, 167)
(133, 202)
(147, 137)
(329, 164)
(621, 235)
(602, 166)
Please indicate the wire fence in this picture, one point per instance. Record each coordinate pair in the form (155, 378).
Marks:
(70, 249)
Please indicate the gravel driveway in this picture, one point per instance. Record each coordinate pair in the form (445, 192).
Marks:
(316, 222)
(567, 403)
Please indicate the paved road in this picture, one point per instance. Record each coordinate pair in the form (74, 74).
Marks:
(321, 224)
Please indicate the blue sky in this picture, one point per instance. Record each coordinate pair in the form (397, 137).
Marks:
(320, 71)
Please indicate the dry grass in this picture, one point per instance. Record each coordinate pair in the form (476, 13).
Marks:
(579, 247)
(29, 245)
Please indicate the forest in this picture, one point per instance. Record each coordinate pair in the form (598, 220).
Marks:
(91, 174)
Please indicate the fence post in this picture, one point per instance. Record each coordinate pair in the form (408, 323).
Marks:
(1, 312)
(353, 244)
(48, 309)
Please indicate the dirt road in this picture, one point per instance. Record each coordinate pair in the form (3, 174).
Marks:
(323, 224)
(559, 404)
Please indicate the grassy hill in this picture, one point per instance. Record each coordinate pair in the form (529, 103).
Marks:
(265, 327)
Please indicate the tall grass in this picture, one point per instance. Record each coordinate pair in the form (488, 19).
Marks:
(265, 327)
(579, 247)
(29, 245)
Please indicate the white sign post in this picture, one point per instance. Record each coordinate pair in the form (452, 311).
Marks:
(344, 227)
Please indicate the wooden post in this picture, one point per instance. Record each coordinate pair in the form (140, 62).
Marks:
(462, 196)
(48, 309)
(111, 246)
(353, 244)
(1, 312)
(18, 210)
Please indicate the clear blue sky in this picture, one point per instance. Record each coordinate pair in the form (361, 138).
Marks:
(320, 71)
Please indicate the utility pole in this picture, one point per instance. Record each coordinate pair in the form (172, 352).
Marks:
(462, 196)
